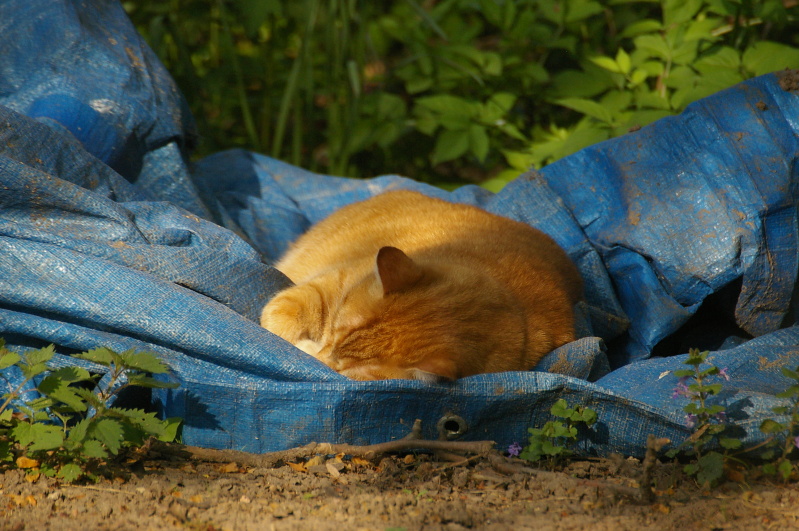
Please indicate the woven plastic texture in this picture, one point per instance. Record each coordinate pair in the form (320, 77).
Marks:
(685, 232)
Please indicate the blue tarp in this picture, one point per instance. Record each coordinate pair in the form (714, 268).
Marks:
(685, 232)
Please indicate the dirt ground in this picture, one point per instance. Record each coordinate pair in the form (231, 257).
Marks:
(401, 492)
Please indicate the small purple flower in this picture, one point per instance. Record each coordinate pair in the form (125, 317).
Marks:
(796, 441)
(723, 374)
(514, 449)
(690, 420)
(681, 390)
(721, 416)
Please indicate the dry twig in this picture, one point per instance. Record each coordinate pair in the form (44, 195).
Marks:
(412, 441)
(653, 446)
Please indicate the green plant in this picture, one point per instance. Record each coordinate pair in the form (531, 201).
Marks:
(552, 441)
(787, 434)
(653, 67)
(708, 421)
(72, 428)
(452, 91)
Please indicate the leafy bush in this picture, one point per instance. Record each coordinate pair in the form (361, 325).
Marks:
(72, 429)
(784, 437)
(552, 440)
(452, 90)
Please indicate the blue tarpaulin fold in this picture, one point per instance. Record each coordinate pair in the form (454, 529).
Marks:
(684, 231)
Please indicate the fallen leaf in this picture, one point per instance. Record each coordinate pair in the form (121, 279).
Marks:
(26, 462)
(332, 470)
(409, 459)
(665, 509)
(734, 475)
(229, 468)
(197, 498)
(360, 461)
(752, 496)
(31, 500)
(315, 460)
(298, 467)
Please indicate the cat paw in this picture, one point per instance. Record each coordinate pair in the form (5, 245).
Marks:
(295, 315)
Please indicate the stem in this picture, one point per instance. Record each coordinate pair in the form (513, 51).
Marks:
(702, 416)
(13, 394)
(789, 445)
(246, 114)
(291, 85)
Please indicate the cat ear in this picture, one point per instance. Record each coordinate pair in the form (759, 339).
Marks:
(395, 270)
(435, 369)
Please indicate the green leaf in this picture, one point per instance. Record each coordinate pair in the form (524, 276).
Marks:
(588, 107)
(638, 76)
(418, 84)
(70, 472)
(654, 45)
(103, 356)
(109, 432)
(790, 374)
(143, 361)
(496, 107)
(701, 29)
(771, 426)
(43, 355)
(78, 432)
(520, 160)
(764, 57)
(94, 449)
(90, 397)
(785, 468)
(57, 389)
(38, 436)
(676, 12)
(548, 448)
(573, 83)
(792, 391)
(578, 10)
(561, 409)
(172, 427)
(583, 135)
(450, 145)
(588, 416)
(148, 422)
(641, 26)
(607, 63)
(623, 61)
(31, 371)
(5, 451)
(8, 359)
(478, 141)
(711, 468)
(71, 374)
(150, 383)
(730, 443)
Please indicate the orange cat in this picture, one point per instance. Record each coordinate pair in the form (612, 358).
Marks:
(406, 286)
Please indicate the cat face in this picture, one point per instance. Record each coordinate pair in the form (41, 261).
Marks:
(408, 320)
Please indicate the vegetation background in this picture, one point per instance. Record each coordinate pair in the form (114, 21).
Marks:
(452, 91)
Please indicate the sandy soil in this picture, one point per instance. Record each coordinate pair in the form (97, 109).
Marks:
(410, 492)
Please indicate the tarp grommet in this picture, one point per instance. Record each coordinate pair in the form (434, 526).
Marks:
(451, 426)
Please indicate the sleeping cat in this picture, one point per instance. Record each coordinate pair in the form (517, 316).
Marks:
(407, 286)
